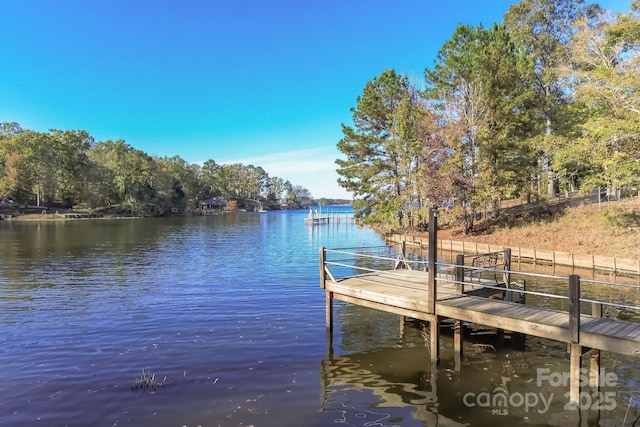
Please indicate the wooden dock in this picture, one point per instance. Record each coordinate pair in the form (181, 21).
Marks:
(317, 220)
(319, 217)
(405, 292)
(452, 293)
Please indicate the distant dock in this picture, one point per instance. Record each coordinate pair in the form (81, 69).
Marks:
(319, 217)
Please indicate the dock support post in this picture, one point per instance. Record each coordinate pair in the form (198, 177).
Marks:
(575, 348)
(434, 339)
(460, 273)
(329, 311)
(506, 295)
(323, 272)
(594, 369)
(518, 339)
(507, 268)
(458, 333)
(574, 376)
(433, 254)
(594, 359)
(434, 321)
(596, 309)
(323, 285)
(574, 308)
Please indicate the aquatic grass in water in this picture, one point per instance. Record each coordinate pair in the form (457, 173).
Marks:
(482, 348)
(147, 383)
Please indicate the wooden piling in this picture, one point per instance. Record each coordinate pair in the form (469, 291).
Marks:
(458, 343)
(323, 273)
(594, 369)
(433, 253)
(596, 309)
(575, 366)
(518, 340)
(575, 349)
(434, 339)
(434, 321)
(460, 273)
(594, 357)
(329, 311)
(506, 277)
(574, 307)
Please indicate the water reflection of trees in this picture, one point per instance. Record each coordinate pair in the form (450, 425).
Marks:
(55, 252)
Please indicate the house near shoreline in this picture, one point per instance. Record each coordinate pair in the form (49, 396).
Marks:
(212, 204)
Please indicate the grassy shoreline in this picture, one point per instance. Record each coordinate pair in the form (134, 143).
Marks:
(609, 229)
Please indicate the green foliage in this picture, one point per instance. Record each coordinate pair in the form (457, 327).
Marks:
(544, 29)
(383, 151)
(551, 97)
(606, 54)
(480, 86)
(69, 167)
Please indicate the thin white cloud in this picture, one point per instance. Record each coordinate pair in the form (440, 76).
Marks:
(279, 164)
(313, 169)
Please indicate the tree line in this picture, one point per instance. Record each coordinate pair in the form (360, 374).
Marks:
(69, 168)
(546, 101)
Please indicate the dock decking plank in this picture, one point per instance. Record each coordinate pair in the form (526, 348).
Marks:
(627, 331)
(605, 327)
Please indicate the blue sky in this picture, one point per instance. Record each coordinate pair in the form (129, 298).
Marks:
(262, 82)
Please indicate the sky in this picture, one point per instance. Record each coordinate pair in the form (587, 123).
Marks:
(261, 82)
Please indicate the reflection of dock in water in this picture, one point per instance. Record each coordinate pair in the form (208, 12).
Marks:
(400, 389)
(400, 394)
(394, 385)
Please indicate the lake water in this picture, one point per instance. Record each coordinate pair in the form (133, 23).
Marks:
(225, 312)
